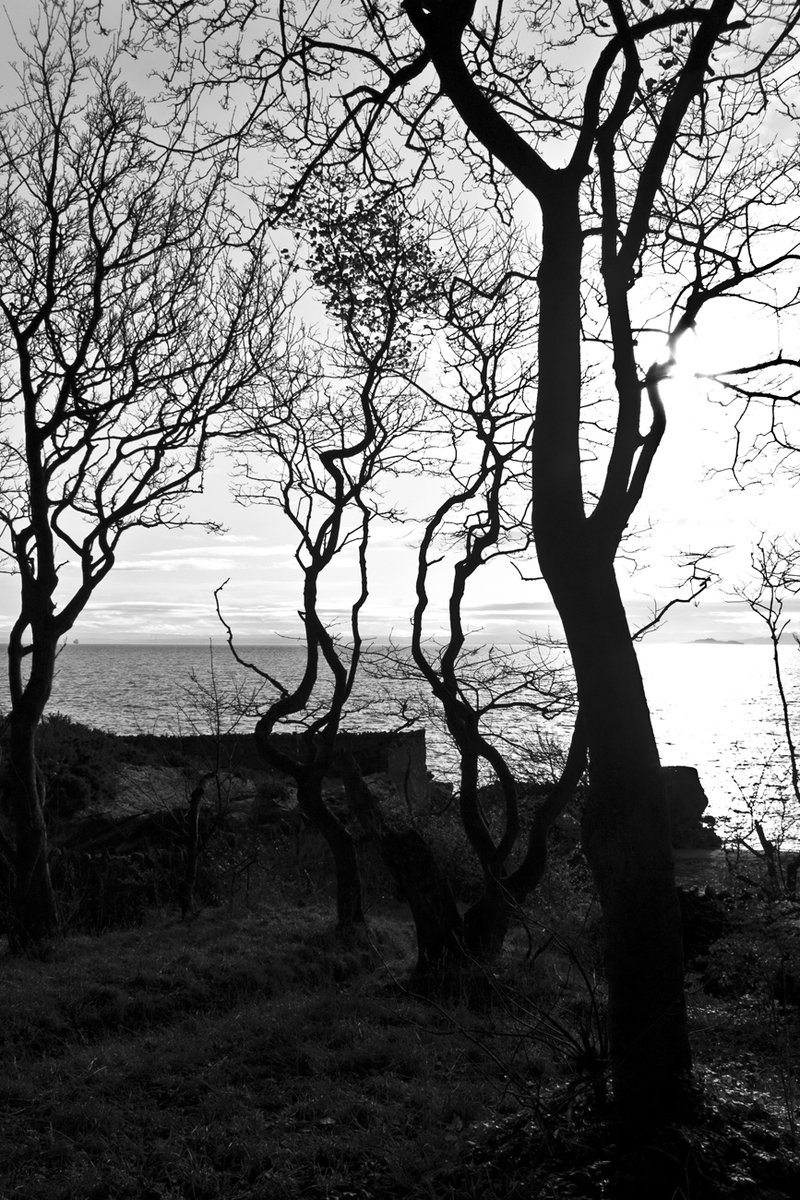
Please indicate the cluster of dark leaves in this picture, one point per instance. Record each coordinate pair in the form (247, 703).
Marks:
(371, 260)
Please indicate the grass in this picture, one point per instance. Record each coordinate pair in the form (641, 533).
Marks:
(253, 1053)
(232, 1057)
(250, 1052)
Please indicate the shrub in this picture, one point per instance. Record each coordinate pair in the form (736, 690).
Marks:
(78, 763)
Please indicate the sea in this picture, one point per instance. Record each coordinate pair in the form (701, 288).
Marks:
(714, 706)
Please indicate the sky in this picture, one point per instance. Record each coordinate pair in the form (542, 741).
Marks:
(162, 586)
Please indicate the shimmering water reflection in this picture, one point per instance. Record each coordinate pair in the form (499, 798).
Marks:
(714, 706)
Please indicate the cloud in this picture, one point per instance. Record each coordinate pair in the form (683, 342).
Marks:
(122, 605)
(217, 556)
(234, 550)
(236, 539)
(143, 619)
(513, 606)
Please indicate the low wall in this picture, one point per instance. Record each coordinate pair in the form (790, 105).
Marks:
(401, 756)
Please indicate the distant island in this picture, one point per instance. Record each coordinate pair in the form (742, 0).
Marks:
(751, 641)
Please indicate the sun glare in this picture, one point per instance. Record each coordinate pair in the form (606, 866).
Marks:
(728, 336)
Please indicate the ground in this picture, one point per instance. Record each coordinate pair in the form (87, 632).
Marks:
(253, 1053)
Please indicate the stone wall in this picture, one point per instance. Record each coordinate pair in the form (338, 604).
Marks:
(401, 756)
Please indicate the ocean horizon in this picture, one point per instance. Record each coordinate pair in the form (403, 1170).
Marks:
(714, 704)
(476, 639)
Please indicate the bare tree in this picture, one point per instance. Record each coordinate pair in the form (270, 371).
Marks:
(315, 480)
(489, 330)
(636, 130)
(775, 565)
(128, 326)
(320, 451)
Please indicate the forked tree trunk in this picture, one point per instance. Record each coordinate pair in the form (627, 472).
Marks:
(626, 830)
(308, 776)
(487, 921)
(349, 907)
(437, 921)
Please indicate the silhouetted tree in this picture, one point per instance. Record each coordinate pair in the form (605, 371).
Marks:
(776, 569)
(636, 129)
(128, 326)
(319, 446)
(775, 580)
(489, 329)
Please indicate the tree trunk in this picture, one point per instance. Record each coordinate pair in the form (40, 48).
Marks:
(33, 916)
(627, 839)
(437, 921)
(528, 874)
(308, 776)
(486, 922)
(626, 826)
(349, 908)
(436, 917)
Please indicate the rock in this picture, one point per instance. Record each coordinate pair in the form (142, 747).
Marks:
(691, 829)
(440, 793)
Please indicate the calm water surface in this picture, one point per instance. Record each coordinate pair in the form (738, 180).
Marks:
(714, 706)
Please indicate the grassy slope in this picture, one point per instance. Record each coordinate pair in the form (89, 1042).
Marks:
(251, 1054)
(247, 1053)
